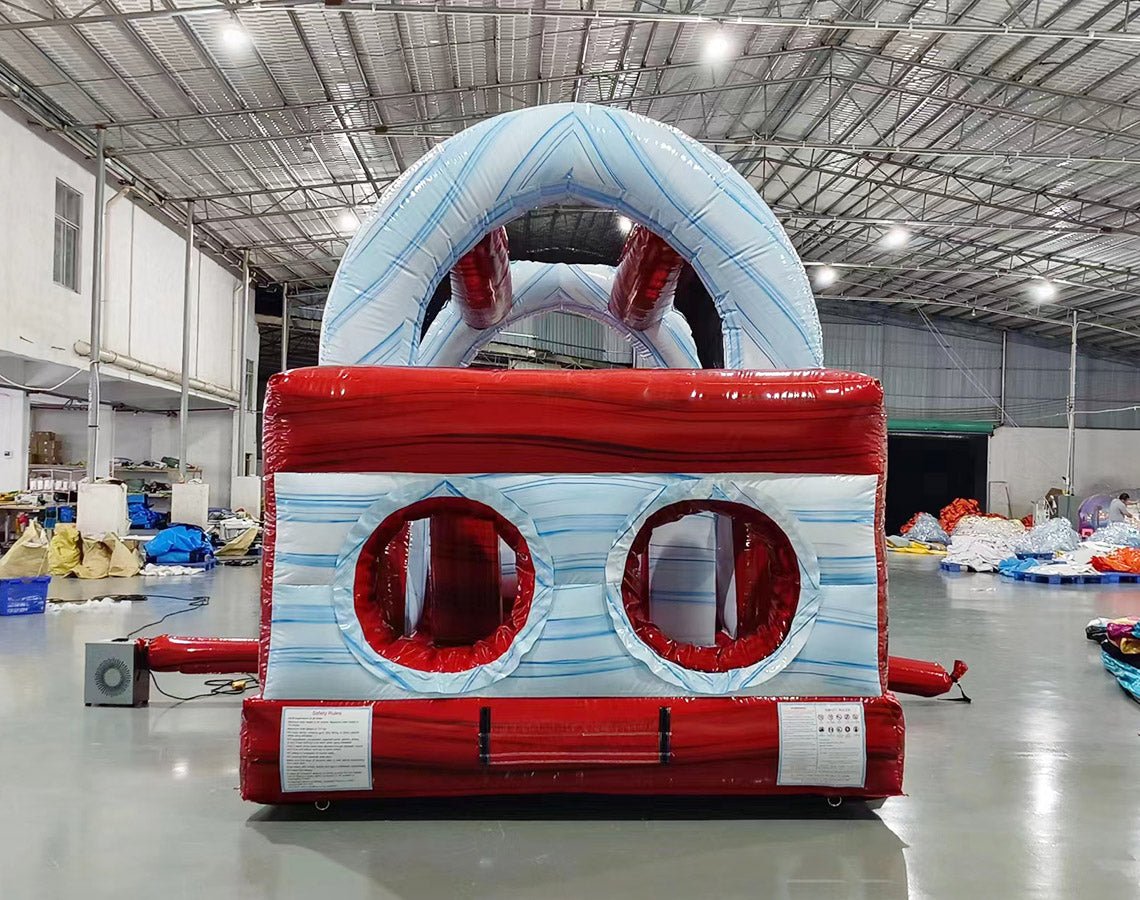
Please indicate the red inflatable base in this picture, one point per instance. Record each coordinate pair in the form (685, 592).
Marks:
(472, 745)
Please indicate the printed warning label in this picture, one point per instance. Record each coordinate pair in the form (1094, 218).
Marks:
(822, 745)
(326, 748)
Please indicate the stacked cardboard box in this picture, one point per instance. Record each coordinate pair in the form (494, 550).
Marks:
(45, 449)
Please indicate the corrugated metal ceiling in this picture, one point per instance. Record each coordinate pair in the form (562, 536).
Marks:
(1008, 156)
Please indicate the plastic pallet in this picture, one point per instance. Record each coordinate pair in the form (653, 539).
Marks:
(955, 567)
(1099, 578)
(1027, 555)
(1047, 578)
(1120, 578)
(205, 566)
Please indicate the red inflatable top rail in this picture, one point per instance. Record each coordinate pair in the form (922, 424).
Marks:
(481, 281)
(646, 279)
(450, 421)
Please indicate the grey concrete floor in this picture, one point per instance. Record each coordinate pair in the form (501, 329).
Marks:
(1029, 792)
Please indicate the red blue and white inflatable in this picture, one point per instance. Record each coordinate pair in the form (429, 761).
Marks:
(664, 580)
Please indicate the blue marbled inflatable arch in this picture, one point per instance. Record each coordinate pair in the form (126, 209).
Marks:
(501, 168)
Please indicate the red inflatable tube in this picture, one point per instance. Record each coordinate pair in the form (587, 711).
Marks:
(481, 281)
(443, 421)
(646, 279)
(922, 678)
(198, 655)
(225, 656)
(612, 745)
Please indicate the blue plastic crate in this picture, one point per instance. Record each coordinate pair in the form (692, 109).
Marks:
(23, 596)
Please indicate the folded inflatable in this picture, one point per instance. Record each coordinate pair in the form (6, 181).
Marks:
(663, 580)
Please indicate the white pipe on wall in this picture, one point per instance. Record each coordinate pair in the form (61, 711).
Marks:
(83, 348)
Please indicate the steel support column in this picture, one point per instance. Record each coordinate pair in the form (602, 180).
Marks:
(1001, 396)
(184, 399)
(243, 386)
(284, 326)
(93, 386)
(1071, 408)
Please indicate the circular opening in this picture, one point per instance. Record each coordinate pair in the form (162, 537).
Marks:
(443, 585)
(711, 585)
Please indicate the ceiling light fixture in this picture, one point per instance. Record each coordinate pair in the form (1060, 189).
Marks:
(896, 237)
(348, 221)
(718, 48)
(1043, 291)
(825, 276)
(235, 37)
(624, 224)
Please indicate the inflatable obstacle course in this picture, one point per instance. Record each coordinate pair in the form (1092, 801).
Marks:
(627, 582)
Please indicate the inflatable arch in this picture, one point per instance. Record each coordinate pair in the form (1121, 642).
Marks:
(475, 182)
(549, 287)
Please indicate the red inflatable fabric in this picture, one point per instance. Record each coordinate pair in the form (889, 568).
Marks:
(1126, 559)
(481, 281)
(612, 745)
(225, 656)
(646, 279)
(922, 678)
(268, 553)
(955, 511)
(463, 602)
(451, 421)
(910, 523)
(381, 614)
(767, 581)
(198, 655)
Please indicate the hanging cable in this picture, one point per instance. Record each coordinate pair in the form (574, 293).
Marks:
(960, 364)
(41, 390)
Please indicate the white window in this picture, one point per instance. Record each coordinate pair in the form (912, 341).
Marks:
(68, 210)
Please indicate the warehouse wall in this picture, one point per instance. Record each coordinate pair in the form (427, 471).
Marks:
(144, 435)
(70, 427)
(956, 374)
(1033, 460)
(209, 445)
(144, 272)
(13, 440)
(572, 334)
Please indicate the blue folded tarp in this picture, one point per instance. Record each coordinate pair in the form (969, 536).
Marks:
(178, 545)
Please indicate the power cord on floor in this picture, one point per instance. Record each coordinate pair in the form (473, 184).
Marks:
(964, 698)
(219, 687)
(192, 603)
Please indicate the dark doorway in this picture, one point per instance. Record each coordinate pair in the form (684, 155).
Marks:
(925, 472)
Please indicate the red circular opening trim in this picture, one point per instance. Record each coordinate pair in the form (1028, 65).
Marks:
(378, 595)
(767, 588)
